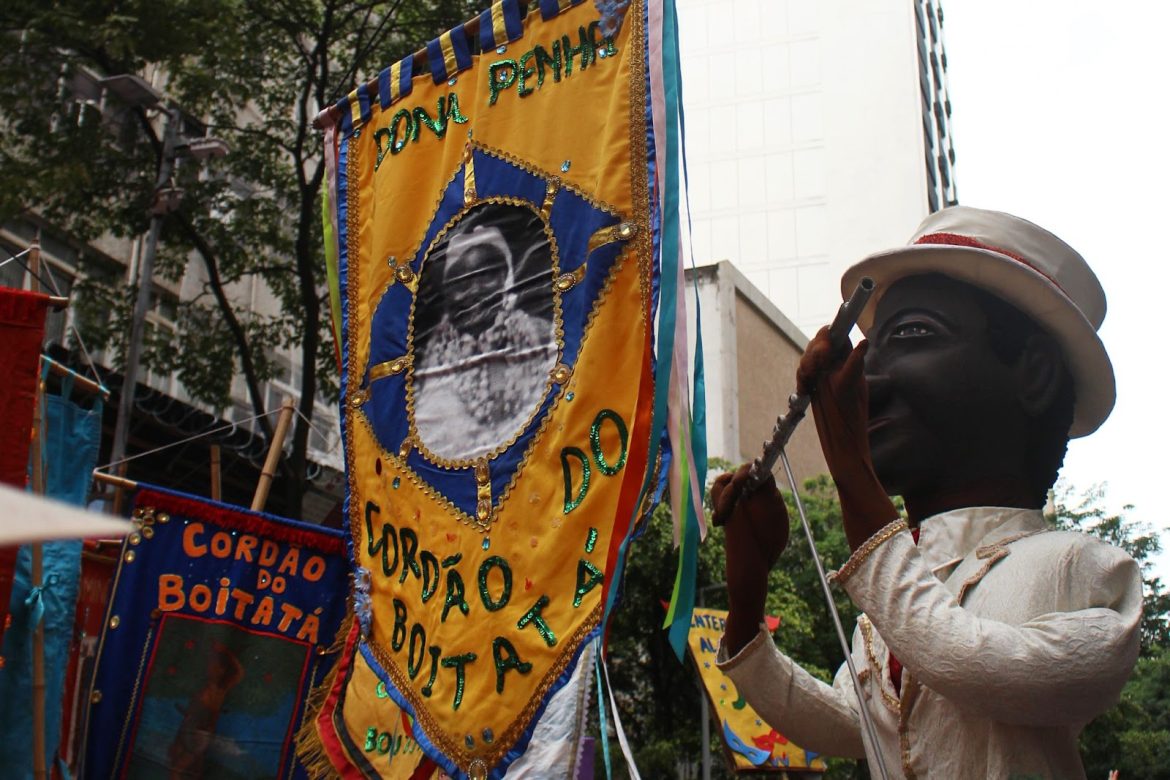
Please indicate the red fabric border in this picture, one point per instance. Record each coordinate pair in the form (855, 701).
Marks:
(955, 239)
(278, 529)
(330, 741)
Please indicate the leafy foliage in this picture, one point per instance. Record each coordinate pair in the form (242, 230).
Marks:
(250, 72)
(1134, 736)
(659, 698)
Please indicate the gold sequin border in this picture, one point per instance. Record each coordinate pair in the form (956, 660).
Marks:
(865, 550)
(890, 700)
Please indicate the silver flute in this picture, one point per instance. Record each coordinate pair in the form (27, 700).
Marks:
(798, 404)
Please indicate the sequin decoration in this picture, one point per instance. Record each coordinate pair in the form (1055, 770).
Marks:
(501, 49)
(591, 540)
(488, 736)
(486, 543)
(129, 556)
(588, 578)
(535, 617)
(595, 441)
(397, 481)
(490, 604)
(477, 770)
(469, 741)
(565, 166)
(115, 621)
(574, 501)
(451, 82)
(507, 659)
(459, 664)
(569, 396)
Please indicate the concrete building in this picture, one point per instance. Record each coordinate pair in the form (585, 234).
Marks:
(750, 354)
(817, 132)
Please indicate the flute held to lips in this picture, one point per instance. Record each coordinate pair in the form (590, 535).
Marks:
(798, 404)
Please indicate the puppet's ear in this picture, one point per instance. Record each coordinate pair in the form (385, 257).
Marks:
(1039, 373)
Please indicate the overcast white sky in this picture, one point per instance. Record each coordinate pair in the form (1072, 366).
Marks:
(1059, 116)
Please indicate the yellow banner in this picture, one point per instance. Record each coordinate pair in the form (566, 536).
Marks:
(497, 269)
(751, 744)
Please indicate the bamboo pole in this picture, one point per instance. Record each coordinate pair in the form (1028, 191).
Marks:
(121, 483)
(38, 553)
(270, 463)
(215, 480)
(82, 383)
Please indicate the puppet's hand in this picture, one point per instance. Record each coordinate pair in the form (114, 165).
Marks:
(756, 525)
(840, 403)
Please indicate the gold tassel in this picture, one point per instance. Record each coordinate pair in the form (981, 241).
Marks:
(309, 749)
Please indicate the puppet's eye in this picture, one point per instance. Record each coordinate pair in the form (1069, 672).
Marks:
(911, 329)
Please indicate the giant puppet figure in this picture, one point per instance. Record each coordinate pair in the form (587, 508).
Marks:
(988, 640)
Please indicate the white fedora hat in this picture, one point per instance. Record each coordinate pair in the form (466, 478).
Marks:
(1024, 265)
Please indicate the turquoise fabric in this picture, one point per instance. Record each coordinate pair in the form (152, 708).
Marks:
(71, 436)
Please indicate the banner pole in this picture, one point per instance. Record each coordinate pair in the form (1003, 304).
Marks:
(216, 490)
(37, 552)
(269, 470)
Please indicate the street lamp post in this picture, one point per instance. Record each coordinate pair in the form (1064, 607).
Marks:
(159, 208)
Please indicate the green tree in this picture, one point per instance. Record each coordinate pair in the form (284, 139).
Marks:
(254, 73)
(1134, 736)
(659, 698)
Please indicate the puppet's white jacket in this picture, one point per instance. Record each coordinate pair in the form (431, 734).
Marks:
(1012, 637)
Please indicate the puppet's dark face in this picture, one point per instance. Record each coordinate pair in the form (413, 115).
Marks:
(943, 407)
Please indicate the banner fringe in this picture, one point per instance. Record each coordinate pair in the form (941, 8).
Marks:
(310, 751)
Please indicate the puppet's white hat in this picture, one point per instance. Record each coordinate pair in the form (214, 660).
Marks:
(1024, 265)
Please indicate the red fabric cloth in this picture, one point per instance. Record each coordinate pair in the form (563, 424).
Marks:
(895, 664)
(22, 330)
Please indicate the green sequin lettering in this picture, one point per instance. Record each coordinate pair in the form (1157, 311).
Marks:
(418, 638)
(571, 501)
(409, 132)
(382, 140)
(384, 742)
(383, 545)
(398, 637)
(524, 72)
(430, 574)
(501, 76)
(493, 605)
(455, 595)
(534, 616)
(459, 664)
(553, 60)
(453, 112)
(595, 443)
(585, 50)
(371, 738)
(591, 540)
(409, 545)
(588, 578)
(506, 658)
(426, 689)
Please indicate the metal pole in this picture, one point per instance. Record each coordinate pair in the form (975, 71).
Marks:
(142, 301)
(863, 710)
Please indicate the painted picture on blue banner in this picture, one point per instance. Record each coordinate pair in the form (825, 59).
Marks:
(484, 334)
(207, 680)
